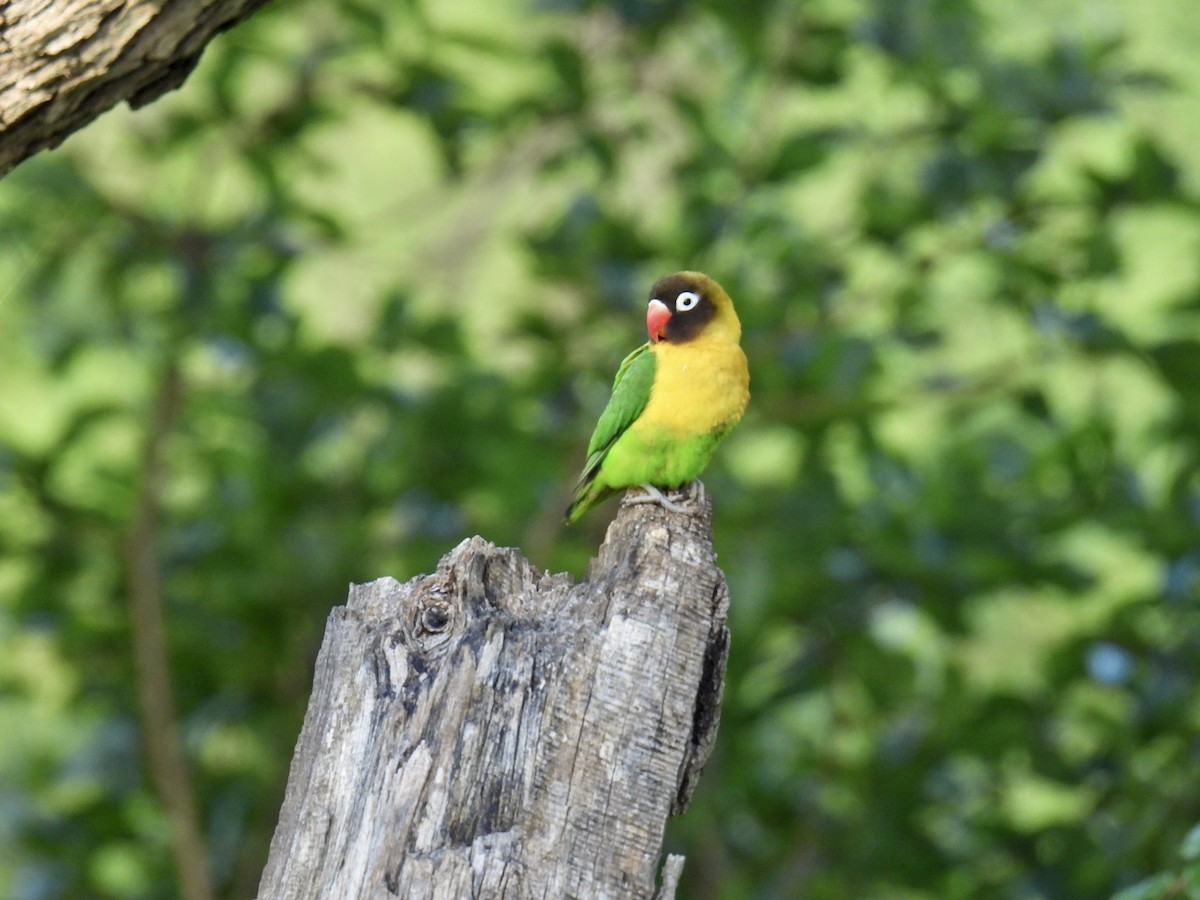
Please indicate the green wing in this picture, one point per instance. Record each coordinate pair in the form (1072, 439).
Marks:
(630, 394)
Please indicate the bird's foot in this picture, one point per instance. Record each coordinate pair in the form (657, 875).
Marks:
(681, 501)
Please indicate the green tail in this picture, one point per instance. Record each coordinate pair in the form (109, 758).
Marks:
(587, 496)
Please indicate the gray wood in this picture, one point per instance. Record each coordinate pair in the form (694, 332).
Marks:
(493, 731)
(63, 62)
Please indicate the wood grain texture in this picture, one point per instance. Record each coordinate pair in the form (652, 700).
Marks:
(492, 731)
(63, 62)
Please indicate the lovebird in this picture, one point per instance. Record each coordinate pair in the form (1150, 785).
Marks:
(674, 398)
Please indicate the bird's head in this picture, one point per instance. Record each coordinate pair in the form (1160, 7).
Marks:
(688, 305)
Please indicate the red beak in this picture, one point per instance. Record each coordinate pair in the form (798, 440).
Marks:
(657, 317)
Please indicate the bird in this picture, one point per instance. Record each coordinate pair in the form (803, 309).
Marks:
(673, 399)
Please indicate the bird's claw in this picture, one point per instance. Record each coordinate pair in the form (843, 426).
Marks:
(684, 502)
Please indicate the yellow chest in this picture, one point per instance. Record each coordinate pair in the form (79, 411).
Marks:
(698, 387)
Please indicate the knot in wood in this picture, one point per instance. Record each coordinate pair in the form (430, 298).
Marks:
(431, 622)
(435, 618)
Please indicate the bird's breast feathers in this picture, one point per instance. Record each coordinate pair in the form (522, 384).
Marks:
(699, 387)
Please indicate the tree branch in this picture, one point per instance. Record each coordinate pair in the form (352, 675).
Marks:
(160, 730)
(64, 63)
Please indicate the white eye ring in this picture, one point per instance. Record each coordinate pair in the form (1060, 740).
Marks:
(685, 301)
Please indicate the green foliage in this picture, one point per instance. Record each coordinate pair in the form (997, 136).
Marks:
(396, 252)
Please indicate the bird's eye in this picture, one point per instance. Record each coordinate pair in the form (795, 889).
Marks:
(685, 301)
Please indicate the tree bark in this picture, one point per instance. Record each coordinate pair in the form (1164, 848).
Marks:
(63, 62)
(492, 731)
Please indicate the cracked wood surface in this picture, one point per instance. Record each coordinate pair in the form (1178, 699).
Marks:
(62, 63)
(492, 731)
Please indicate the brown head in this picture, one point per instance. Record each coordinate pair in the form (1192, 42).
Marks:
(688, 305)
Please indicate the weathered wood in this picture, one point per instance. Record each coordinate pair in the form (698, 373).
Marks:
(62, 63)
(492, 731)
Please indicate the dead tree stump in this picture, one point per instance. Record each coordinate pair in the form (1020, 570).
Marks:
(492, 731)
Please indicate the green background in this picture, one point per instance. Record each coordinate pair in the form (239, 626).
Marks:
(391, 254)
